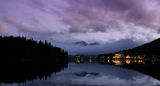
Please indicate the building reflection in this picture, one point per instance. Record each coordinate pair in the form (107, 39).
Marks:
(128, 61)
(117, 62)
(141, 61)
(90, 59)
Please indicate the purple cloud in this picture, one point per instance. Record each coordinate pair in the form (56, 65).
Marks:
(96, 13)
(69, 21)
(3, 28)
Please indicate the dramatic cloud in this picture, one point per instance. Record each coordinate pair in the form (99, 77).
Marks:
(103, 14)
(71, 21)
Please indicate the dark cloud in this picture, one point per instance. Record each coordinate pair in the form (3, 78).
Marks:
(83, 43)
(94, 43)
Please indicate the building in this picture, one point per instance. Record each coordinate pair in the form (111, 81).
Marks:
(128, 57)
(79, 59)
(118, 56)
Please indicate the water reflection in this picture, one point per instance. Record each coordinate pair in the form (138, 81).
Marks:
(20, 73)
(117, 62)
(121, 62)
(127, 61)
(87, 74)
(138, 63)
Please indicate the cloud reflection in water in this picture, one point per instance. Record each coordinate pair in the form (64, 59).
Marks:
(94, 75)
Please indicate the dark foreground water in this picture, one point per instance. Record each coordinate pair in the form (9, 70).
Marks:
(94, 74)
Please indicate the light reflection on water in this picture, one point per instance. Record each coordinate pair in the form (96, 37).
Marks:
(127, 61)
(94, 75)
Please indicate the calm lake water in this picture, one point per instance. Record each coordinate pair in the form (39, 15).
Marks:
(93, 74)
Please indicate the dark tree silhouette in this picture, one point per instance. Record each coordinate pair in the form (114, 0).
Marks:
(24, 59)
(19, 49)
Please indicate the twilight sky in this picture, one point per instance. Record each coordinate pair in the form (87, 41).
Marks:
(83, 26)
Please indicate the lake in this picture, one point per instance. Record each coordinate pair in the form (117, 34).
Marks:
(93, 74)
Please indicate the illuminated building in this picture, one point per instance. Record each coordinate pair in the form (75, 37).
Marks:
(117, 56)
(140, 57)
(128, 57)
(79, 59)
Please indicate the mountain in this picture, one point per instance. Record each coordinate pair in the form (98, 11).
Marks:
(148, 50)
